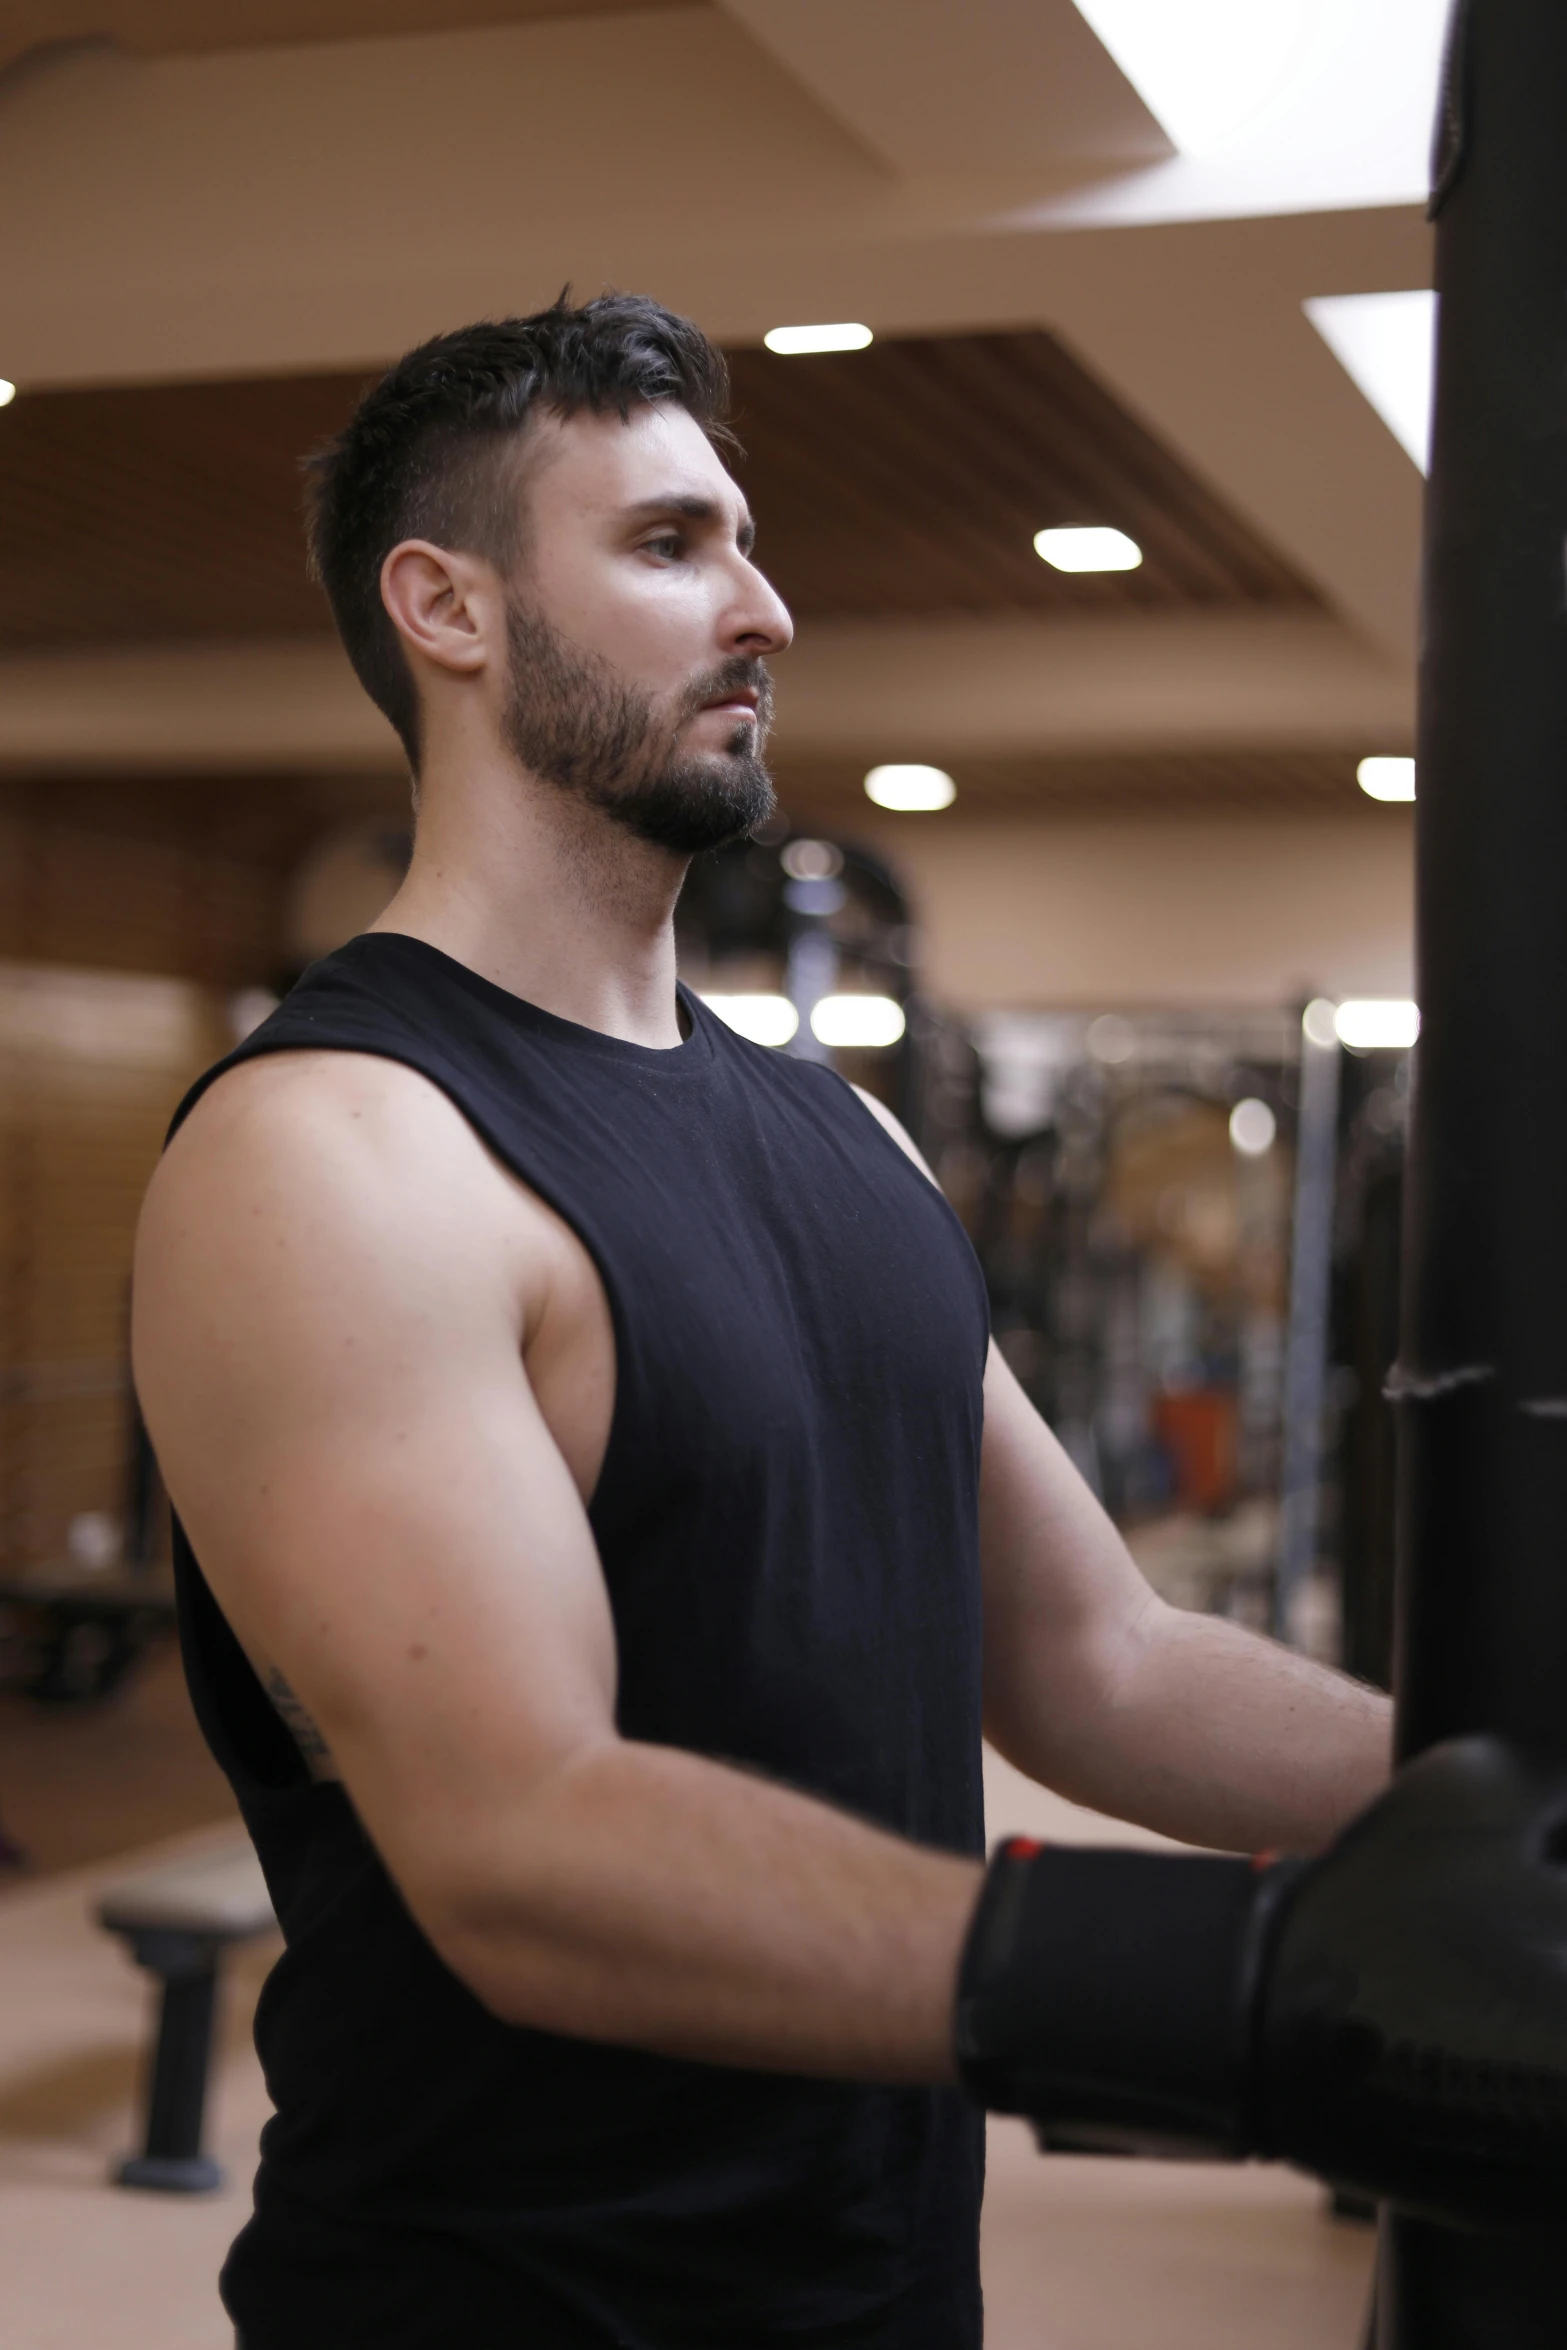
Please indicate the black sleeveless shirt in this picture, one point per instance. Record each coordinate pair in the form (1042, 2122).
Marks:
(787, 1520)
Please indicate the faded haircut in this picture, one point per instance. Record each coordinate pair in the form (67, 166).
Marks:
(432, 451)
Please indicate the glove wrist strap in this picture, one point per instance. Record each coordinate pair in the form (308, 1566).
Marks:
(1111, 1995)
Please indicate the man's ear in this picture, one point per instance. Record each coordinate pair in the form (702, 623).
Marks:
(446, 607)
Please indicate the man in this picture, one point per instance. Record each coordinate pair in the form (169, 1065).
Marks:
(586, 1425)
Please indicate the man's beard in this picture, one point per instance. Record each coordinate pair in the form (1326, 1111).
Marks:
(573, 720)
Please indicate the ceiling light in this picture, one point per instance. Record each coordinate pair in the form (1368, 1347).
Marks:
(1377, 1024)
(811, 860)
(1111, 1039)
(857, 1020)
(789, 341)
(1276, 106)
(1091, 547)
(1206, 69)
(1386, 344)
(764, 1019)
(911, 790)
(1387, 779)
(1252, 1128)
(7, 393)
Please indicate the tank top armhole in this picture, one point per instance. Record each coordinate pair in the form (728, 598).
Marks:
(887, 1142)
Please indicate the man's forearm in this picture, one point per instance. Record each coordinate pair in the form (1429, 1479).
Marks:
(650, 1897)
(1216, 1736)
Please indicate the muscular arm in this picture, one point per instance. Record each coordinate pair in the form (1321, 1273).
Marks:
(336, 1294)
(1094, 1686)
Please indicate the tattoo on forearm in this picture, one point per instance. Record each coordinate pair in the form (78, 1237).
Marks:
(307, 1737)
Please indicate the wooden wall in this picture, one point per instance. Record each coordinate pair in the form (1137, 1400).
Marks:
(130, 915)
(185, 877)
(92, 1064)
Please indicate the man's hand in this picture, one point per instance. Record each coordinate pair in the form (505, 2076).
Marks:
(1392, 2016)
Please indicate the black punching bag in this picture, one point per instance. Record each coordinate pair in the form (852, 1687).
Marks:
(1481, 1384)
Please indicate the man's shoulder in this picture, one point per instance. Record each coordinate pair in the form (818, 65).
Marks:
(359, 1148)
(308, 1107)
(280, 1081)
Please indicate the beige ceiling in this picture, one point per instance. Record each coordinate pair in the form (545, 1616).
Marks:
(295, 214)
(159, 28)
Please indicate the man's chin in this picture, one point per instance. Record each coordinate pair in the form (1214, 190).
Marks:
(705, 803)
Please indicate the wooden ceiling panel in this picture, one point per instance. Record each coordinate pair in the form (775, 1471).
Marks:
(264, 823)
(912, 477)
(830, 792)
(906, 479)
(267, 822)
(160, 511)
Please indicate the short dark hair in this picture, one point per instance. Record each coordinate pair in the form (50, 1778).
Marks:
(429, 452)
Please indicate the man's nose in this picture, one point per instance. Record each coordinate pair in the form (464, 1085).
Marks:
(760, 622)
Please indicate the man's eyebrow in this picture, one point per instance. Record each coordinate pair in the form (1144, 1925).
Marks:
(691, 507)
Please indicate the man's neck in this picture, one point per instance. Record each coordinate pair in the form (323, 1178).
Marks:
(547, 897)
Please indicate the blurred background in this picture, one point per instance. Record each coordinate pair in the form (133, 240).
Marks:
(1081, 364)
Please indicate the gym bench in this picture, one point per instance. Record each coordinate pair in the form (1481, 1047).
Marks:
(178, 1919)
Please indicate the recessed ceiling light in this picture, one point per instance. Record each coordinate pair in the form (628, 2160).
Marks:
(1090, 547)
(811, 860)
(1377, 1023)
(1111, 1039)
(1207, 69)
(1276, 106)
(788, 341)
(764, 1019)
(863, 1021)
(1252, 1127)
(1386, 345)
(1387, 779)
(911, 790)
(7, 393)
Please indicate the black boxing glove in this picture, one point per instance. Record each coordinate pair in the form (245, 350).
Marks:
(1392, 2016)
(1111, 1995)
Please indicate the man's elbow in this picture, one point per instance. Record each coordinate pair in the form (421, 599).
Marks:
(501, 1951)
(1050, 1708)
(508, 1896)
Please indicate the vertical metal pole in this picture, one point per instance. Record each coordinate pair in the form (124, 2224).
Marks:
(1306, 1343)
(1481, 1386)
(813, 894)
(810, 972)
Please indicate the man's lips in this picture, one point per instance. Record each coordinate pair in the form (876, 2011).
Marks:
(744, 702)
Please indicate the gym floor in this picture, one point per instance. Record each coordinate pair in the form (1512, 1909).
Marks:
(1079, 2255)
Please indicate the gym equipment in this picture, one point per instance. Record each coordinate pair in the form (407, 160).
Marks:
(1306, 1343)
(1369, 1217)
(1471, 2036)
(1481, 1389)
(1388, 2016)
(179, 1918)
(82, 1631)
(799, 914)
(73, 1628)
(1093, 1172)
